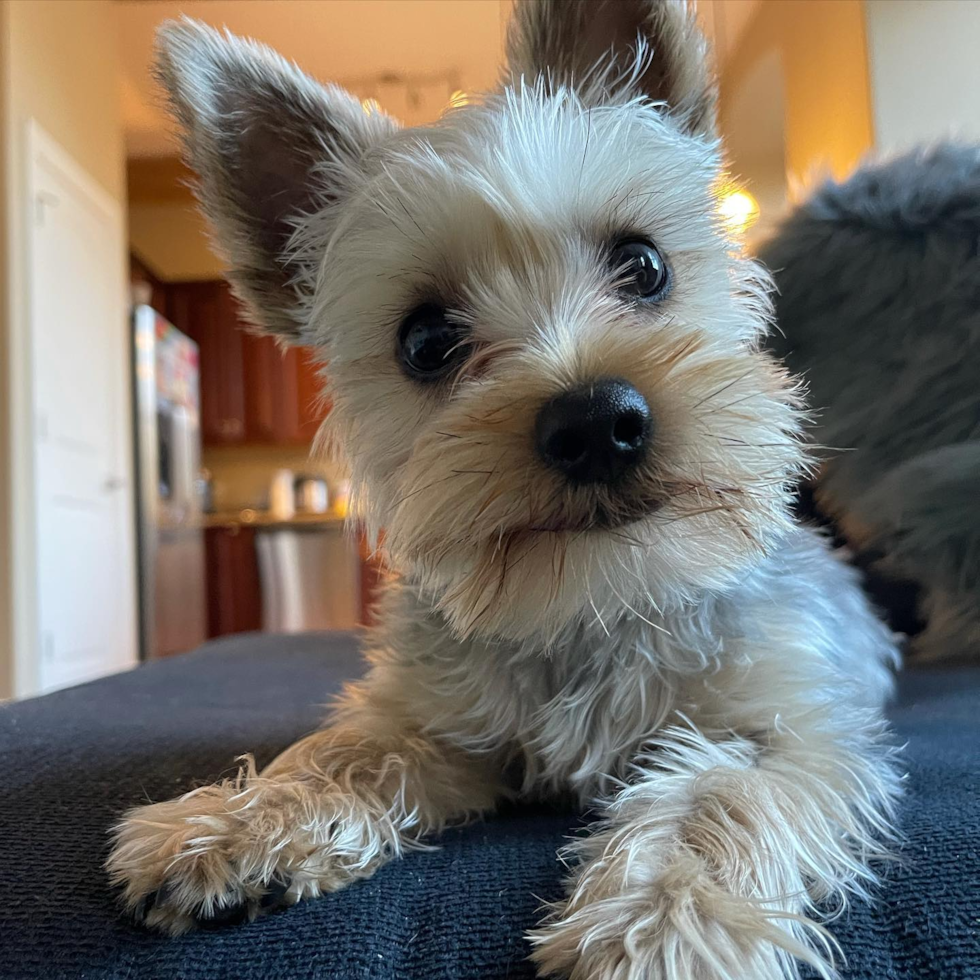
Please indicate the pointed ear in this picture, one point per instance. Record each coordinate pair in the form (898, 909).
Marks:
(606, 48)
(269, 145)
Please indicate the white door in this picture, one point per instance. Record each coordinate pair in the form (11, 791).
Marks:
(83, 487)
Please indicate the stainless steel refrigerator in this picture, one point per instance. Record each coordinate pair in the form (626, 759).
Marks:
(173, 609)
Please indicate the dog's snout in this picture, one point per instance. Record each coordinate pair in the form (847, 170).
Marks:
(596, 433)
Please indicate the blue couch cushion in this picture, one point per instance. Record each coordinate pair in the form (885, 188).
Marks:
(73, 761)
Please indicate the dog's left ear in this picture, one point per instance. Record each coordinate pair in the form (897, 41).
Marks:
(606, 48)
(269, 145)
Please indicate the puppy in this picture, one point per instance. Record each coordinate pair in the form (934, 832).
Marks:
(544, 360)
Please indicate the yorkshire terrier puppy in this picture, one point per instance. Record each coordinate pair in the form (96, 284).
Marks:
(544, 359)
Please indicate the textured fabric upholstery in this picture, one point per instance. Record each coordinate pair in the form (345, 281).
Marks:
(73, 761)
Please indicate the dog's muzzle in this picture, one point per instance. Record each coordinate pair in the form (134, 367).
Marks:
(596, 433)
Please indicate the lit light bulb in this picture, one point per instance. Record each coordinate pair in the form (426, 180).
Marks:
(738, 209)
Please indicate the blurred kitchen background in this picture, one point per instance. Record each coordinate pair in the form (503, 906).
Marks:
(156, 486)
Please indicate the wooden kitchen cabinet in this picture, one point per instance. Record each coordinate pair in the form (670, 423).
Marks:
(208, 314)
(281, 391)
(312, 407)
(252, 390)
(234, 587)
(270, 393)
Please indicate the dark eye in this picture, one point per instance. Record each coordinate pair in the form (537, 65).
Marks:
(429, 344)
(640, 269)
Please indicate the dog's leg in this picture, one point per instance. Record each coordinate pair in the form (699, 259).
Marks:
(709, 863)
(332, 808)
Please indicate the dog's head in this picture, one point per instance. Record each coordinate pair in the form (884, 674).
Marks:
(542, 350)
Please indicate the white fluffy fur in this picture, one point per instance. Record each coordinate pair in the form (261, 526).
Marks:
(510, 238)
(677, 654)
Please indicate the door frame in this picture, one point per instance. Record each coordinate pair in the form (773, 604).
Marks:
(25, 587)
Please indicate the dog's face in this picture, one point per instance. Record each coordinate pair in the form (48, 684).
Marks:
(542, 350)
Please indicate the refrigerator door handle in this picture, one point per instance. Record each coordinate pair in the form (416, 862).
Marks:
(185, 504)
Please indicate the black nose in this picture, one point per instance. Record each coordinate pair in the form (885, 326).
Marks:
(596, 433)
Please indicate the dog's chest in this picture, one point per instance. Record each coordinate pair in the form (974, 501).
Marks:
(575, 718)
(585, 716)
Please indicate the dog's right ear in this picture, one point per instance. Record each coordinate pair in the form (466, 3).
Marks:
(269, 145)
(636, 47)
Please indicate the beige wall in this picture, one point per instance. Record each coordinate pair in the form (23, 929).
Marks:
(753, 124)
(820, 103)
(828, 122)
(350, 42)
(63, 72)
(925, 70)
(171, 238)
(6, 528)
(241, 476)
(58, 65)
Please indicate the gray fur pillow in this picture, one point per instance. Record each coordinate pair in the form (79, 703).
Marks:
(879, 301)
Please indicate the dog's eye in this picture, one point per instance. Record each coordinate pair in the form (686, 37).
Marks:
(429, 344)
(640, 269)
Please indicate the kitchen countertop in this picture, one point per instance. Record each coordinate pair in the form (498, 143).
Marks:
(234, 519)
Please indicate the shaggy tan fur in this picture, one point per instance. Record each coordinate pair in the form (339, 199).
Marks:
(328, 810)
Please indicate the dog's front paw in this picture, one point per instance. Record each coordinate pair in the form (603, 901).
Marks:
(194, 860)
(228, 852)
(673, 931)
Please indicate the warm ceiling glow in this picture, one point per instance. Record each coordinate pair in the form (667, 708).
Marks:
(738, 209)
